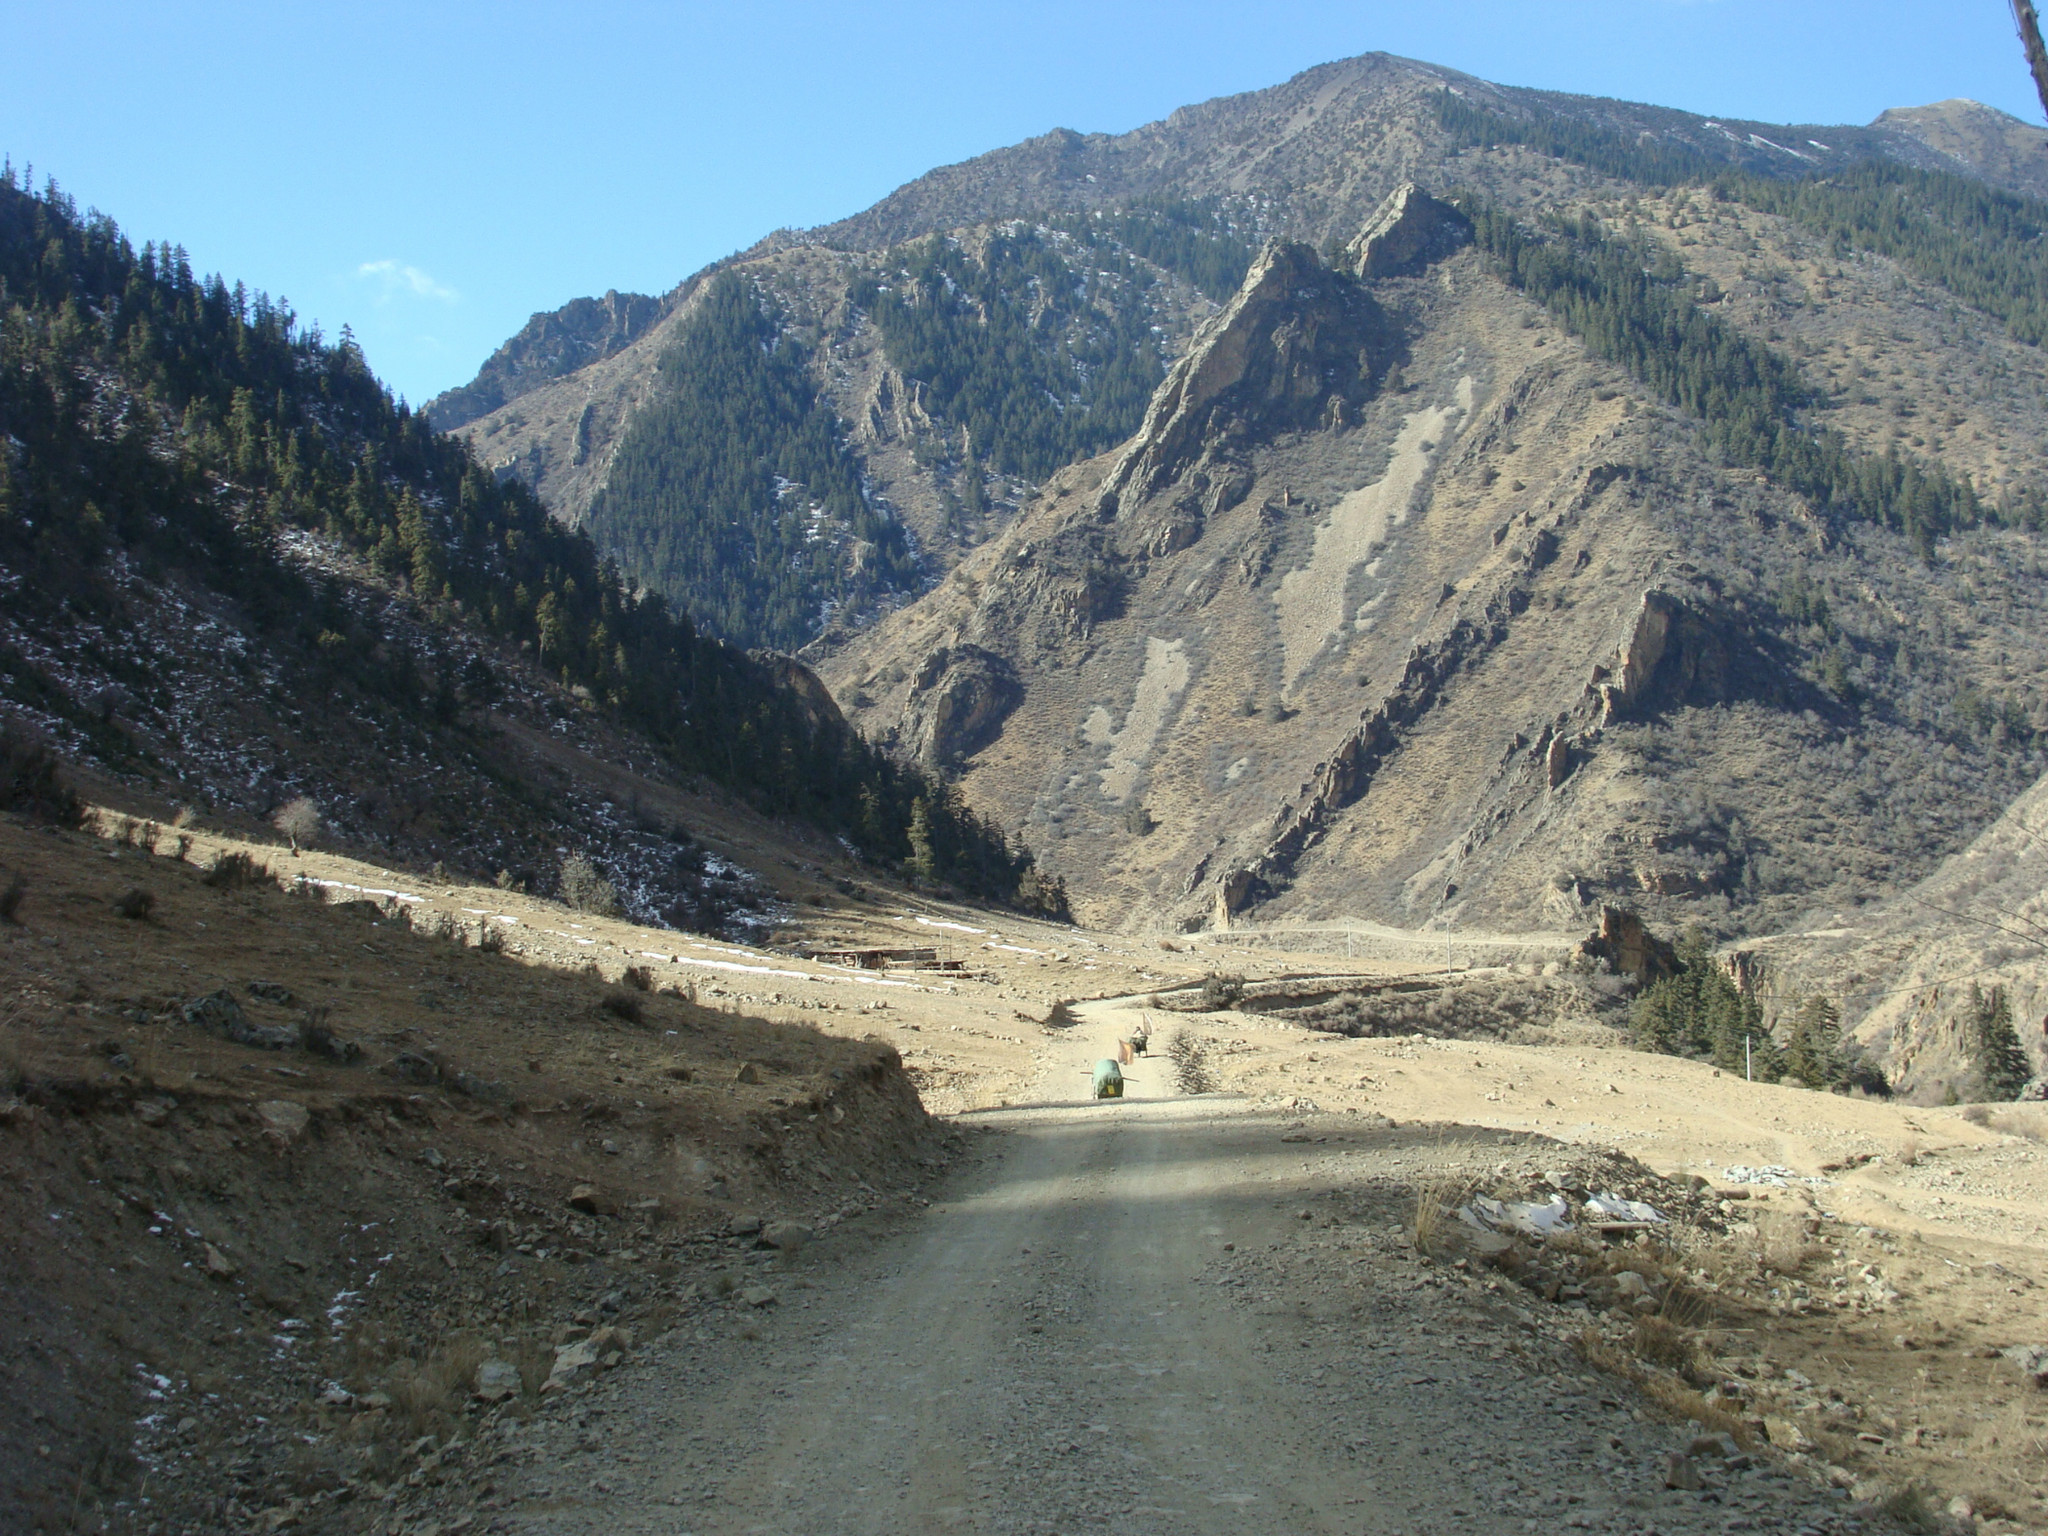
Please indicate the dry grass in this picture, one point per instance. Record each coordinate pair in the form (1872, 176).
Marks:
(1784, 1244)
(426, 1394)
(1913, 1508)
(2028, 1120)
(1668, 1391)
(623, 1004)
(1438, 1196)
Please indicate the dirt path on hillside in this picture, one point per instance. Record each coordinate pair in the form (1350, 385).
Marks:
(1115, 1317)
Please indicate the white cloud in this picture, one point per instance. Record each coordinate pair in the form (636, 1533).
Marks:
(398, 277)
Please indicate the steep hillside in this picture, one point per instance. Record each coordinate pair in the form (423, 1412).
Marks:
(1125, 225)
(1992, 144)
(944, 378)
(1408, 604)
(238, 573)
(1644, 553)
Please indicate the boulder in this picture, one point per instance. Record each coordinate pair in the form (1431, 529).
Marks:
(412, 1067)
(592, 1201)
(496, 1380)
(789, 1236)
(1786, 1435)
(1680, 1473)
(574, 1364)
(283, 1121)
(1629, 948)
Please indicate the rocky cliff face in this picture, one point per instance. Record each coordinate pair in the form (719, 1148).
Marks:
(1401, 607)
(1397, 604)
(581, 332)
(1297, 346)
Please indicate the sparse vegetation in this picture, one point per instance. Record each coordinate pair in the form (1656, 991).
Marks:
(585, 890)
(1221, 990)
(299, 820)
(226, 421)
(135, 903)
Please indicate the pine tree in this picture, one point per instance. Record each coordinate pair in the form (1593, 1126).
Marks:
(1993, 1045)
(923, 865)
(1813, 1047)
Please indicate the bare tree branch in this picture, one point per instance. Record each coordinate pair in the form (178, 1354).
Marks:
(2030, 39)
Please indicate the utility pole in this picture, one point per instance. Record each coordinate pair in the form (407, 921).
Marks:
(2029, 24)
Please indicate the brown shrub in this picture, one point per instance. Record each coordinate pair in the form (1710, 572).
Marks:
(32, 780)
(622, 1004)
(234, 871)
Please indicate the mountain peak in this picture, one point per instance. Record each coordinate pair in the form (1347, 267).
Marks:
(1982, 141)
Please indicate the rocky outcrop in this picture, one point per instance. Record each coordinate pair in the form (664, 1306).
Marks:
(1406, 233)
(811, 692)
(1627, 948)
(548, 346)
(959, 698)
(1640, 654)
(1295, 337)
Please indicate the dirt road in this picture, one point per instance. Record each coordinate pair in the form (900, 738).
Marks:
(1116, 1316)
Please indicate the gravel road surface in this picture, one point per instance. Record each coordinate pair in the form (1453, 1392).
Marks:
(1164, 1315)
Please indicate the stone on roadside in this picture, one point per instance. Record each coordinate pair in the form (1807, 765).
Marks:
(789, 1236)
(1680, 1473)
(497, 1380)
(744, 1225)
(283, 1121)
(592, 1201)
(1786, 1435)
(218, 1264)
(574, 1364)
(749, 1072)
(758, 1296)
(1722, 1446)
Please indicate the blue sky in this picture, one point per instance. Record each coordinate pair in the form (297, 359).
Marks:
(431, 173)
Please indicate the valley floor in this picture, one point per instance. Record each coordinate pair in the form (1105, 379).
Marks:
(1191, 1314)
(1172, 1313)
